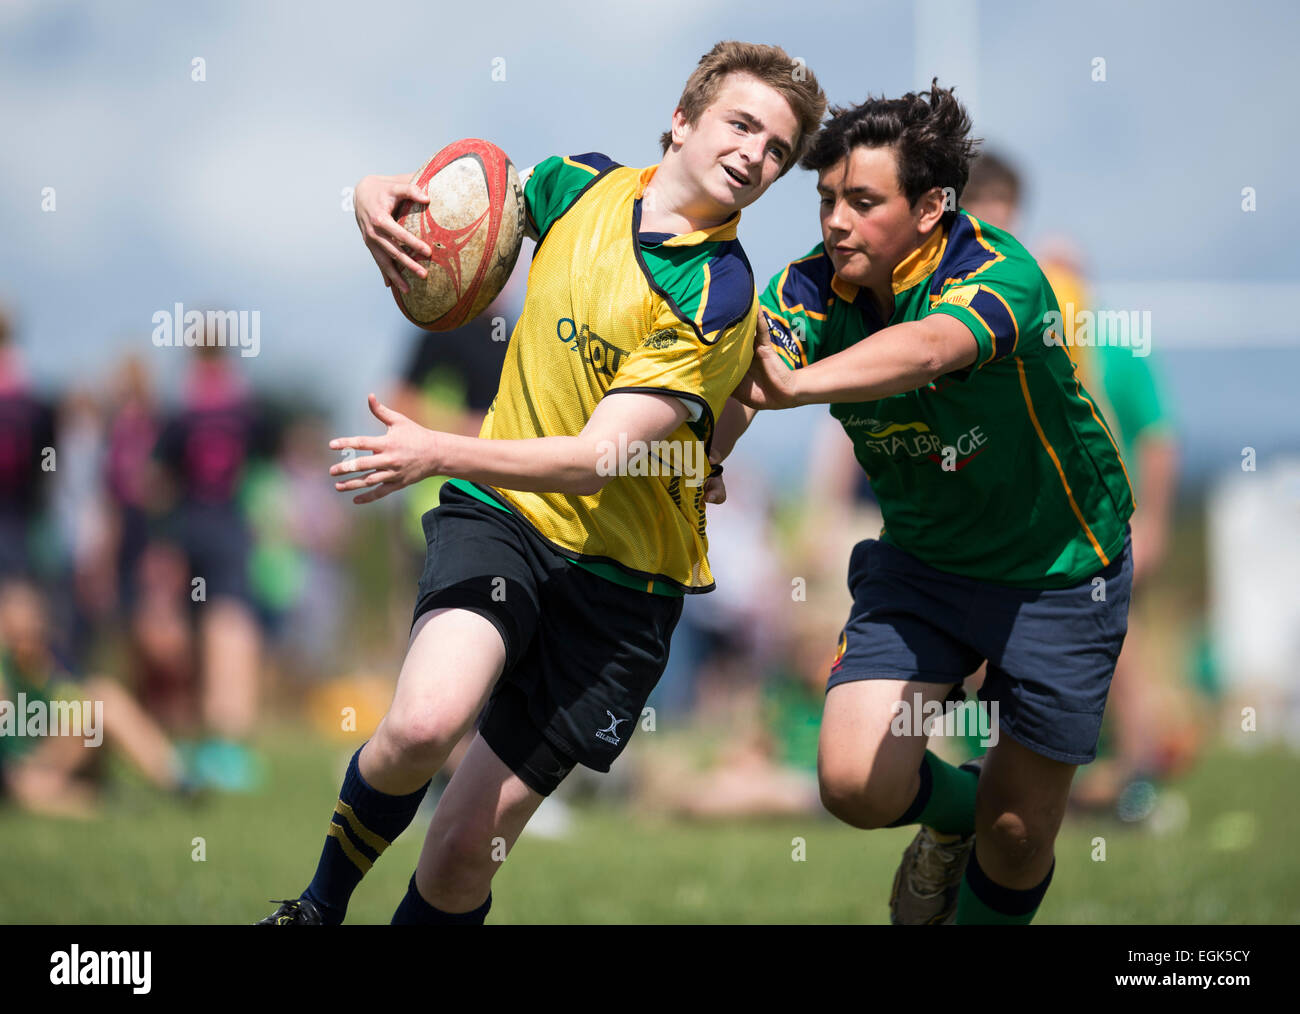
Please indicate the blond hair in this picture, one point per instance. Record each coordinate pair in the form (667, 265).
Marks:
(770, 65)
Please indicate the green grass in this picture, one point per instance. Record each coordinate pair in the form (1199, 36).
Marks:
(1233, 861)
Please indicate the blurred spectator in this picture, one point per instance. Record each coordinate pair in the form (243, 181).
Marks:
(299, 522)
(134, 424)
(1253, 517)
(151, 577)
(204, 450)
(26, 446)
(1149, 742)
(85, 525)
(52, 773)
(448, 384)
(723, 640)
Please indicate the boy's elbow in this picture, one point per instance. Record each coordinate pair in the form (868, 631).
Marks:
(590, 469)
(932, 368)
(587, 484)
(936, 359)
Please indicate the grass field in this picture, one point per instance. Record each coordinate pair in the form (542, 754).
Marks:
(1226, 853)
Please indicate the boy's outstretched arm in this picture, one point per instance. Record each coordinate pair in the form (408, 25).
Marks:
(896, 359)
(408, 452)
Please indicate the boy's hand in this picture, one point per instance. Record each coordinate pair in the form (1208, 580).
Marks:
(405, 454)
(769, 383)
(715, 491)
(374, 200)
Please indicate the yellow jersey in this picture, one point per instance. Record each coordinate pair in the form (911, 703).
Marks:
(611, 308)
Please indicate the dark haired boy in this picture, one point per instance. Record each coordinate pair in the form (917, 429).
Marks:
(1004, 499)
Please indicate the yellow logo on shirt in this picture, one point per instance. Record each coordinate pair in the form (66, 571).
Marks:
(960, 296)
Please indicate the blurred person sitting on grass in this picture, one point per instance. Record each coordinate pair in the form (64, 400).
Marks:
(55, 774)
(761, 761)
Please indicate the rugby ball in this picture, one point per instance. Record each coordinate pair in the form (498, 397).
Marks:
(474, 224)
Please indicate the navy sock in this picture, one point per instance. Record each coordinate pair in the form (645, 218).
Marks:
(980, 901)
(415, 911)
(364, 823)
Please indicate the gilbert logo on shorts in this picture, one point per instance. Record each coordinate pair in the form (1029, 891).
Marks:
(608, 734)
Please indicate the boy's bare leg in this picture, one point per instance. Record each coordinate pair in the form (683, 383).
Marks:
(136, 734)
(452, 661)
(1018, 811)
(873, 777)
(868, 775)
(477, 822)
(453, 658)
(230, 644)
(43, 782)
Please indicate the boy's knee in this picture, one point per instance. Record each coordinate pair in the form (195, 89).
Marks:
(1017, 839)
(465, 860)
(861, 803)
(415, 740)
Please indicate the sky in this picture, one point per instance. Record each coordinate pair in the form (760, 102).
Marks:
(229, 191)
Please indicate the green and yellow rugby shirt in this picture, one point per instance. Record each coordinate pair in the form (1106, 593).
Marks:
(1005, 471)
(611, 308)
(1127, 389)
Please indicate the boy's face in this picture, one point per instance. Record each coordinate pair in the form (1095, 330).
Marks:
(868, 226)
(740, 143)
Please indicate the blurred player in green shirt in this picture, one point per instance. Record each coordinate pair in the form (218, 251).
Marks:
(1128, 391)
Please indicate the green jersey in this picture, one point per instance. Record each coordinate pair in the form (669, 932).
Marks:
(1004, 471)
(1119, 373)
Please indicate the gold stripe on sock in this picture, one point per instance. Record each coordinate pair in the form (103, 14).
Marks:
(338, 834)
(359, 829)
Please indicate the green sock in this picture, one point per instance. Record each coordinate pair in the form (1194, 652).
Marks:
(981, 902)
(951, 806)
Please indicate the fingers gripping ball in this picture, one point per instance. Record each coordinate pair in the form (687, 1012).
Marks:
(474, 223)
